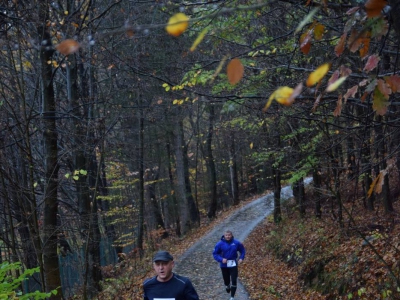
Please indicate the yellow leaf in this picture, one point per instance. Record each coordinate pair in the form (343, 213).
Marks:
(333, 87)
(175, 101)
(198, 40)
(177, 24)
(235, 71)
(251, 145)
(318, 74)
(282, 95)
(27, 65)
(219, 68)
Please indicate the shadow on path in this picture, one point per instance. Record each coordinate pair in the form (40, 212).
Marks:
(197, 262)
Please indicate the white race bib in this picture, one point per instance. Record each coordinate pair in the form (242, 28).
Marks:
(231, 263)
(164, 298)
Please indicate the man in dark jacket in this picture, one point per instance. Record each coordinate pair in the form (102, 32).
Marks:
(226, 253)
(167, 285)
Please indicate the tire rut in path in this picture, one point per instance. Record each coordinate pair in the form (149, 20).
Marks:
(197, 262)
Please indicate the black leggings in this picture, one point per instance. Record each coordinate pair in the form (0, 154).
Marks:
(230, 274)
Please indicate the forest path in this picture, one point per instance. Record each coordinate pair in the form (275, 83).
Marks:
(197, 262)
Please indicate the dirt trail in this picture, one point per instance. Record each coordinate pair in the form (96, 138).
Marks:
(197, 262)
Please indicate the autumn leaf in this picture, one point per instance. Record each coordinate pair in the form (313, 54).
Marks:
(67, 47)
(305, 42)
(319, 31)
(372, 62)
(376, 185)
(350, 93)
(198, 40)
(338, 109)
(339, 48)
(316, 103)
(345, 71)
(393, 82)
(354, 41)
(374, 7)
(318, 74)
(297, 91)
(219, 68)
(334, 77)
(384, 88)
(235, 71)
(177, 24)
(380, 103)
(365, 47)
(335, 85)
(282, 95)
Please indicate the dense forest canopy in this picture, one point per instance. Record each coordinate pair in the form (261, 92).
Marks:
(123, 121)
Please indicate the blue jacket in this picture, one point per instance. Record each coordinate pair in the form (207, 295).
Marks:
(228, 250)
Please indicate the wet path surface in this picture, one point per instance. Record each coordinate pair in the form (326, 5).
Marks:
(197, 262)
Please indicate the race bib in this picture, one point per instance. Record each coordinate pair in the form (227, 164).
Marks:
(164, 298)
(231, 263)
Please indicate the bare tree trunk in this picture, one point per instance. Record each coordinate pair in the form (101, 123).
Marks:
(317, 187)
(209, 158)
(175, 208)
(180, 175)
(233, 171)
(50, 257)
(277, 194)
(381, 152)
(140, 233)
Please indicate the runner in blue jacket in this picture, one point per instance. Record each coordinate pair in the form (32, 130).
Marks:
(226, 253)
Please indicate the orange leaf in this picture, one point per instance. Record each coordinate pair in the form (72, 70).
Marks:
(177, 24)
(393, 82)
(235, 71)
(374, 7)
(318, 74)
(340, 45)
(365, 47)
(305, 42)
(67, 47)
(354, 41)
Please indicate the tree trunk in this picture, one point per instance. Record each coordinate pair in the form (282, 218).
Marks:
(233, 171)
(209, 158)
(180, 175)
(192, 206)
(50, 257)
(277, 194)
(317, 187)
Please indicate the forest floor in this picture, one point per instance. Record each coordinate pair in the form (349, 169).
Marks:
(299, 258)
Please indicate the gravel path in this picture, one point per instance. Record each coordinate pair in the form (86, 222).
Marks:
(197, 262)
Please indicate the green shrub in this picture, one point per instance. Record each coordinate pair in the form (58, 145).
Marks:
(10, 287)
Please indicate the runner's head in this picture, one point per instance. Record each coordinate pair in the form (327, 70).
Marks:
(163, 263)
(228, 235)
